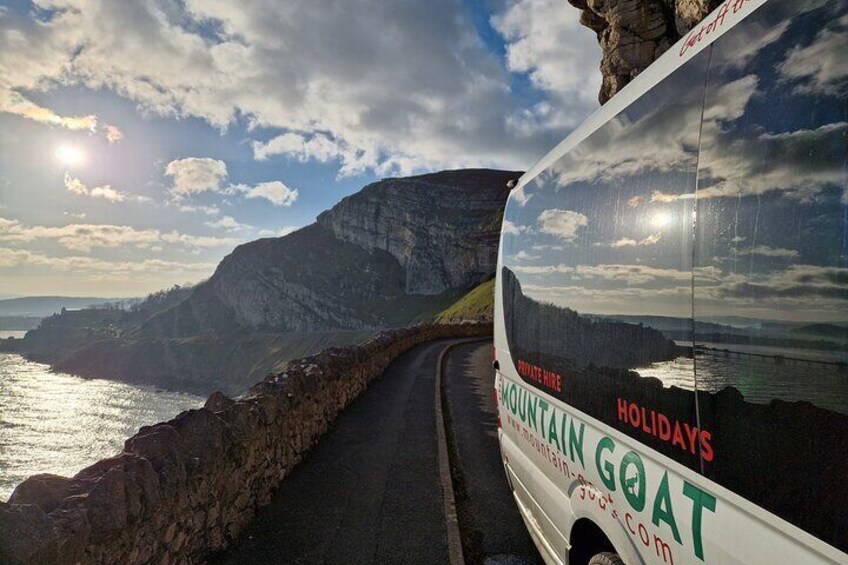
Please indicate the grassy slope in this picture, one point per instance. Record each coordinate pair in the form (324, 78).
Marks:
(476, 305)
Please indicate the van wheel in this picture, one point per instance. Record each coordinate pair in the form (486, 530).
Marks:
(606, 558)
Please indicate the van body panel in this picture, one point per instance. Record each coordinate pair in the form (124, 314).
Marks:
(671, 303)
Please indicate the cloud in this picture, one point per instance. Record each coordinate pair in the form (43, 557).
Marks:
(512, 229)
(766, 251)
(19, 257)
(819, 67)
(208, 210)
(545, 40)
(228, 223)
(562, 223)
(194, 175)
(105, 192)
(113, 134)
(421, 89)
(742, 167)
(85, 237)
(524, 256)
(319, 148)
(275, 191)
(629, 242)
(12, 102)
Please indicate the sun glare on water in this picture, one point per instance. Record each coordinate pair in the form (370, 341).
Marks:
(69, 156)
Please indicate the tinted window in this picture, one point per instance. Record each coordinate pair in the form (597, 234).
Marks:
(597, 276)
(771, 284)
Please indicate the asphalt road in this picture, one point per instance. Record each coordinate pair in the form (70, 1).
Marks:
(492, 530)
(369, 492)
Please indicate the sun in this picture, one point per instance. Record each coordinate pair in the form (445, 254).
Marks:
(662, 219)
(69, 155)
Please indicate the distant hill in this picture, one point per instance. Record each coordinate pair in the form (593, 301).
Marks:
(399, 251)
(41, 306)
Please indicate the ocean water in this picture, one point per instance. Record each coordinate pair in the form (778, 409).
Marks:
(770, 374)
(58, 423)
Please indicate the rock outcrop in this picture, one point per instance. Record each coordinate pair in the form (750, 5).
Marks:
(377, 259)
(185, 488)
(634, 33)
(443, 228)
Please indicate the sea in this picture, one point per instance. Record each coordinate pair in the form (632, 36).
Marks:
(762, 373)
(58, 423)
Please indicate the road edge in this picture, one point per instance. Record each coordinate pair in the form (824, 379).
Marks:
(455, 552)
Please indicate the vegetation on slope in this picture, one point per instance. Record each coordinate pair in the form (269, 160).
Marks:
(477, 305)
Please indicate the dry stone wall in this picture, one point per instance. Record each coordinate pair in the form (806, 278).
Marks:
(186, 488)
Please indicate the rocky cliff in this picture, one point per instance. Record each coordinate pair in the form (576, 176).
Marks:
(442, 229)
(634, 33)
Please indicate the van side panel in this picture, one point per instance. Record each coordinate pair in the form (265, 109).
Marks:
(671, 307)
(771, 283)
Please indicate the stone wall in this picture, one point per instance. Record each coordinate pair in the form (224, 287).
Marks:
(634, 33)
(185, 488)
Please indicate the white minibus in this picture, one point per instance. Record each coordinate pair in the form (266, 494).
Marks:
(671, 306)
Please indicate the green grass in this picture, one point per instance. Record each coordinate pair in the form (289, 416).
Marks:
(476, 305)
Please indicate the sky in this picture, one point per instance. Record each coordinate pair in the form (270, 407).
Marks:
(140, 142)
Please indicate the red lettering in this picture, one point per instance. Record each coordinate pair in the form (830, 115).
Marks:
(628, 518)
(634, 415)
(622, 409)
(706, 448)
(691, 434)
(645, 427)
(678, 436)
(664, 428)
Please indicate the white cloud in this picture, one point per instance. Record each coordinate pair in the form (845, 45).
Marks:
(85, 237)
(767, 251)
(420, 88)
(512, 229)
(562, 223)
(106, 192)
(319, 148)
(12, 102)
(208, 210)
(275, 191)
(545, 40)
(228, 223)
(113, 134)
(194, 175)
(819, 67)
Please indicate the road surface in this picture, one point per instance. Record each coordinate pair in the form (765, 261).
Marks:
(369, 491)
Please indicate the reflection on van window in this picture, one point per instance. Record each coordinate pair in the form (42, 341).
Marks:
(771, 283)
(597, 277)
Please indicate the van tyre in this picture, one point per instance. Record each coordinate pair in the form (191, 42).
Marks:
(606, 558)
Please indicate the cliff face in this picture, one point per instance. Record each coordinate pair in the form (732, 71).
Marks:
(634, 33)
(442, 229)
(379, 258)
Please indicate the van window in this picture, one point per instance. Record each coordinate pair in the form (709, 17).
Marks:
(597, 271)
(771, 283)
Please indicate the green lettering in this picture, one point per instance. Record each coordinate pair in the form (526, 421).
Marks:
(522, 403)
(663, 510)
(553, 437)
(563, 432)
(544, 406)
(513, 399)
(635, 483)
(607, 469)
(700, 500)
(575, 442)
